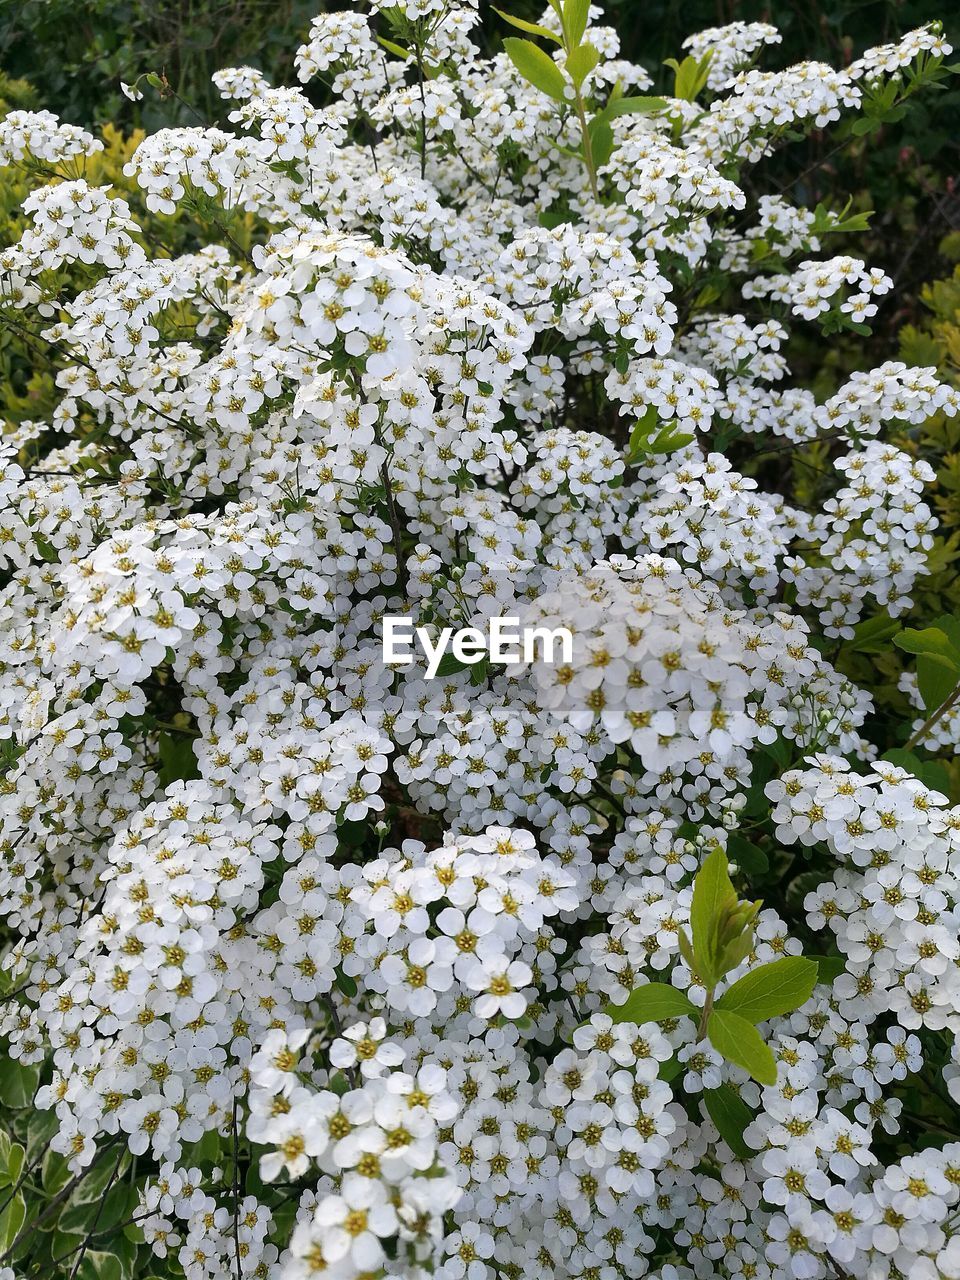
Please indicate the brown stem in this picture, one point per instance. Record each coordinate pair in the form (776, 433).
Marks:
(928, 724)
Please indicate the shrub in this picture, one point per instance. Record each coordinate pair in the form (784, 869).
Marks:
(639, 957)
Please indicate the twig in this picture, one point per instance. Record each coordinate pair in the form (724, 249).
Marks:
(928, 724)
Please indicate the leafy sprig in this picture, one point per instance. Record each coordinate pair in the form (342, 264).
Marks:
(722, 929)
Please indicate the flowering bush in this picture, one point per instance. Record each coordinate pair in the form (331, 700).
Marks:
(320, 967)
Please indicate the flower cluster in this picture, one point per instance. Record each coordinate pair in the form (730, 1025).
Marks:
(331, 952)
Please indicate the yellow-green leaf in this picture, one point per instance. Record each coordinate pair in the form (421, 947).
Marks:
(394, 48)
(531, 28)
(739, 1041)
(575, 16)
(712, 894)
(653, 1003)
(536, 67)
(581, 62)
(772, 989)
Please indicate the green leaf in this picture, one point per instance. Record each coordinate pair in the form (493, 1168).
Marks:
(54, 1173)
(601, 141)
(731, 1115)
(749, 857)
(531, 28)
(950, 626)
(712, 892)
(932, 641)
(829, 968)
(873, 635)
(346, 984)
(686, 949)
(94, 1182)
(177, 759)
(15, 1162)
(46, 548)
(11, 1220)
(536, 67)
(772, 989)
(104, 1213)
(479, 672)
(690, 75)
(449, 665)
(41, 1126)
(98, 1265)
(18, 1083)
(935, 680)
(77, 1219)
(740, 1042)
(389, 45)
(670, 1069)
(580, 62)
(653, 1003)
(637, 105)
(575, 16)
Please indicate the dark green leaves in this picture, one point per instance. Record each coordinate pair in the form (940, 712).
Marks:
(18, 1083)
(653, 1003)
(829, 968)
(731, 1115)
(177, 759)
(740, 1042)
(771, 990)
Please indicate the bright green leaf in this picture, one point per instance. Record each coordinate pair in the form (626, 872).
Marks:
(575, 16)
(531, 28)
(637, 105)
(536, 67)
(580, 62)
(712, 893)
(391, 47)
(739, 1041)
(653, 1003)
(931, 641)
(601, 141)
(772, 989)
